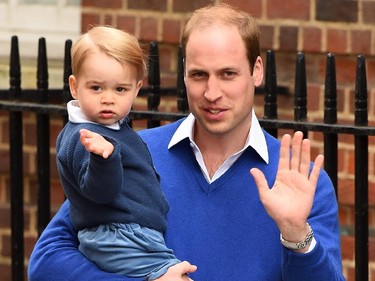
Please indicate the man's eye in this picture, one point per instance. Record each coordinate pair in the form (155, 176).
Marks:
(198, 75)
(228, 74)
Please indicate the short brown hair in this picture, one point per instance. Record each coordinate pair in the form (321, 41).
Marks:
(121, 45)
(228, 15)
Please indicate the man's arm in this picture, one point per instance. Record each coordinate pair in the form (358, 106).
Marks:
(56, 255)
(300, 195)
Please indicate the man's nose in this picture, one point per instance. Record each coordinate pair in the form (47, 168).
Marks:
(212, 91)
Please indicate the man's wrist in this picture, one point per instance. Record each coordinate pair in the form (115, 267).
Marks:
(300, 245)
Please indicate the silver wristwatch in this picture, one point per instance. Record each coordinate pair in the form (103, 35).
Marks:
(298, 245)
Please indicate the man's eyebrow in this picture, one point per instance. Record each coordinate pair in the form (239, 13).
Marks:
(195, 69)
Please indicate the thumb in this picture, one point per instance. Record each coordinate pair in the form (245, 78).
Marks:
(187, 267)
(260, 181)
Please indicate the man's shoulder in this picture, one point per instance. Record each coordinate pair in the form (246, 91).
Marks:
(163, 131)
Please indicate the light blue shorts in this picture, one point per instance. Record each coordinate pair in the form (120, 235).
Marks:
(127, 249)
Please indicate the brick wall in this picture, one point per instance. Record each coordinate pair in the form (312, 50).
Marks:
(315, 27)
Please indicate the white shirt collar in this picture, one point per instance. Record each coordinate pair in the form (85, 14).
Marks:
(255, 139)
(76, 115)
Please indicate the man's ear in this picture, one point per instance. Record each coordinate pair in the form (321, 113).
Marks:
(258, 72)
(73, 86)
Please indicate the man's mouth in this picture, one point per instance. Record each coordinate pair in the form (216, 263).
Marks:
(214, 111)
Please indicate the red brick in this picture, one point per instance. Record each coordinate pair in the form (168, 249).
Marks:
(183, 6)
(55, 128)
(108, 4)
(5, 272)
(361, 42)
(6, 250)
(89, 20)
(345, 70)
(347, 247)
(346, 192)
(288, 38)
(336, 10)
(29, 245)
(153, 5)
(351, 274)
(371, 213)
(351, 163)
(341, 160)
(370, 69)
(33, 192)
(53, 166)
(314, 98)
(57, 193)
(371, 249)
(126, 23)
(5, 132)
(337, 41)
(346, 215)
(253, 7)
(371, 194)
(149, 28)
(168, 59)
(340, 101)
(312, 39)
(266, 37)
(368, 12)
(4, 161)
(4, 215)
(171, 31)
(291, 9)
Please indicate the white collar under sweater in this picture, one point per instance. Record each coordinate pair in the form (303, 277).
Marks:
(255, 139)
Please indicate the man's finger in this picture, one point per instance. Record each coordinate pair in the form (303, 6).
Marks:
(296, 151)
(284, 159)
(260, 182)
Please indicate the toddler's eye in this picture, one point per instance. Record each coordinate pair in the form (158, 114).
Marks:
(96, 88)
(120, 89)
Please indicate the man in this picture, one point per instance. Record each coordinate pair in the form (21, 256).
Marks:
(277, 222)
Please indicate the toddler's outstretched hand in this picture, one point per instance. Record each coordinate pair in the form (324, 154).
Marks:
(95, 143)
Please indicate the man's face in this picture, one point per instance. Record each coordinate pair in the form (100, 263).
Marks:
(220, 87)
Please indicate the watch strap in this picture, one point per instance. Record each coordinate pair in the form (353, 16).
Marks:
(298, 245)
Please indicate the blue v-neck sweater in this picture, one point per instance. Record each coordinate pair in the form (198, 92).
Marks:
(221, 227)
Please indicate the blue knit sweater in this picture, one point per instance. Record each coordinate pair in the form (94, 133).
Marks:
(123, 188)
(221, 227)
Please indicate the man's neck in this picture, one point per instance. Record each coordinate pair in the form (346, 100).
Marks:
(216, 148)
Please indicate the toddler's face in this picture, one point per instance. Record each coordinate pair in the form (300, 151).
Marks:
(105, 89)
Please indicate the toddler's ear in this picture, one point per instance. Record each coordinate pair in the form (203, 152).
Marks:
(73, 86)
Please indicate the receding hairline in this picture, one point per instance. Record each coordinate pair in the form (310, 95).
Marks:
(225, 14)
